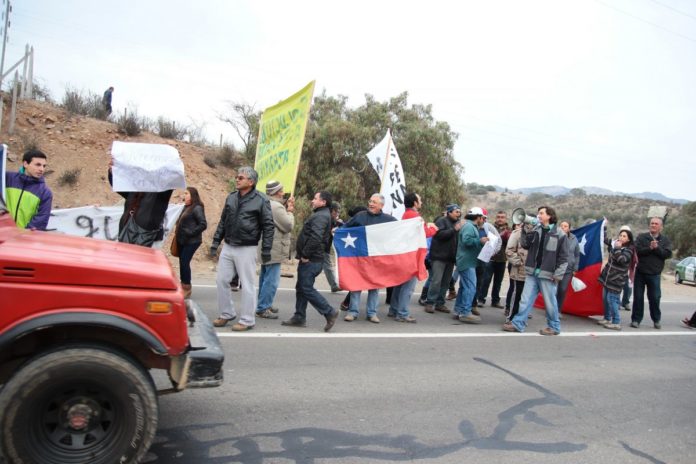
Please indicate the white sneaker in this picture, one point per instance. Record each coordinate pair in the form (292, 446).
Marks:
(603, 322)
(611, 326)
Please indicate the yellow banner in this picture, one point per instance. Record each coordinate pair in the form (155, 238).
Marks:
(281, 136)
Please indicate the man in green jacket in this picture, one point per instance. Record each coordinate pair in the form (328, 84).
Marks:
(468, 248)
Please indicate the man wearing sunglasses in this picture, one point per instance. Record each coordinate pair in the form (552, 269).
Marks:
(246, 218)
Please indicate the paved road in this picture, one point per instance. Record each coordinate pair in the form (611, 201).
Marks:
(439, 392)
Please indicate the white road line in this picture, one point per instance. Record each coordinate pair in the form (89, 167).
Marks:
(252, 334)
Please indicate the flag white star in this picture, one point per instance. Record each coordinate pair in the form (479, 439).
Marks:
(349, 241)
(582, 244)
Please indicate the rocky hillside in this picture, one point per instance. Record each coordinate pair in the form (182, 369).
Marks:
(81, 145)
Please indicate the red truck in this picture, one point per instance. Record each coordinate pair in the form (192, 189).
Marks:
(82, 323)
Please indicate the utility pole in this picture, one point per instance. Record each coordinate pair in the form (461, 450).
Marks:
(6, 25)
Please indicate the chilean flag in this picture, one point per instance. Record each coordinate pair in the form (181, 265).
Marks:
(380, 255)
(588, 301)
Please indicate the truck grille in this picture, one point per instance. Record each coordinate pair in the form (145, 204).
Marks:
(26, 272)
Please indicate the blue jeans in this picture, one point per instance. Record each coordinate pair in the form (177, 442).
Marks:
(467, 290)
(269, 278)
(652, 281)
(401, 297)
(186, 253)
(306, 293)
(611, 306)
(372, 300)
(532, 286)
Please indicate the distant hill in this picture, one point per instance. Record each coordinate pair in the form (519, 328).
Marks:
(557, 190)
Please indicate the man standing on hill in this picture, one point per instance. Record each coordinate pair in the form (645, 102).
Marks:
(246, 218)
(28, 198)
(653, 249)
(106, 100)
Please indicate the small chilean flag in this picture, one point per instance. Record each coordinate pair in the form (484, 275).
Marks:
(588, 301)
(381, 255)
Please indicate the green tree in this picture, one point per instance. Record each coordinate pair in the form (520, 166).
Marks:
(338, 137)
(681, 230)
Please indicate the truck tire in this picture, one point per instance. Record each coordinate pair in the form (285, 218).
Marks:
(78, 405)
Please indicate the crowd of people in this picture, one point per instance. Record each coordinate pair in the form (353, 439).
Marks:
(541, 255)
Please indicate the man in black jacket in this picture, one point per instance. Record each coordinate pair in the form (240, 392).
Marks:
(653, 249)
(246, 218)
(443, 252)
(312, 245)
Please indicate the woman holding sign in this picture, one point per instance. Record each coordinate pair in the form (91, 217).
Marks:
(188, 235)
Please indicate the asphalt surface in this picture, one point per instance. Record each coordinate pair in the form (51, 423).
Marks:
(439, 392)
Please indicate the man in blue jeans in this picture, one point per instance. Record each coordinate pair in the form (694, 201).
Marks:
(312, 244)
(284, 221)
(546, 263)
(653, 249)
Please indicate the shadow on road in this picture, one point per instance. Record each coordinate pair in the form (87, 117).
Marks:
(305, 445)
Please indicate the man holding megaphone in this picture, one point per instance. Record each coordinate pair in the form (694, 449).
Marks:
(546, 263)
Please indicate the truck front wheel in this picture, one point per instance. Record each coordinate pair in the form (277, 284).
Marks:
(79, 404)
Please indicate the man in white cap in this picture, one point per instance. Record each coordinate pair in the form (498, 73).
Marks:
(269, 276)
(468, 248)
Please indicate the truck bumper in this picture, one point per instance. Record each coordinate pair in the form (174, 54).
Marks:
(205, 357)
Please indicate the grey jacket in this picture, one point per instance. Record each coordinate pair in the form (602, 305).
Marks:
(554, 261)
(573, 253)
(284, 222)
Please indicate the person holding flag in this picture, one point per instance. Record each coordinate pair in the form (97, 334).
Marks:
(401, 295)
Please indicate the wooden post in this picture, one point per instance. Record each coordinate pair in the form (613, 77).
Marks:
(13, 111)
(30, 75)
(23, 92)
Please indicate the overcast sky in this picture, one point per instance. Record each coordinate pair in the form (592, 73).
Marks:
(541, 92)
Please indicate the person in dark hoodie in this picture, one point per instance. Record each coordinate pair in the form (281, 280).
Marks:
(613, 278)
(27, 196)
(443, 254)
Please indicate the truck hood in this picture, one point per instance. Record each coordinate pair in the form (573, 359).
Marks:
(51, 258)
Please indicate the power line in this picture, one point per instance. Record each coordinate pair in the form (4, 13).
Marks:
(646, 21)
(674, 9)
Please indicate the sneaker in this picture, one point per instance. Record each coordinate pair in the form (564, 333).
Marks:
(470, 319)
(687, 322)
(222, 322)
(241, 327)
(335, 289)
(611, 326)
(626, 307)
(349, 318)
(344, 307)
(267, 314)
(330, 320)
(451, 295)
(475, 312)
(273, 310)
(429, 308)
(421, 301)
(497, 305)
(292, 322)
(481, 303)
(410, 319)
(635, 325)
(657, 325)
(373, 319)
(442, 309)
(508, 327)
(603, 322)
(548, 331)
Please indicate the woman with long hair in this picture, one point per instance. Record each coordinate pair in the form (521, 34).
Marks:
(613, 278)
(188, 234)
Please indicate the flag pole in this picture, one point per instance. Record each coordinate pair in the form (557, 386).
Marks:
(386, 163)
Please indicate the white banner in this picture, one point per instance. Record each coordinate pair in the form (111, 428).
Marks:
(146, 167)
(386, 162)
(101, 221)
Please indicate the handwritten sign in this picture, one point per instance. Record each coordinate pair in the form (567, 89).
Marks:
(146, 167)
(101, 222)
